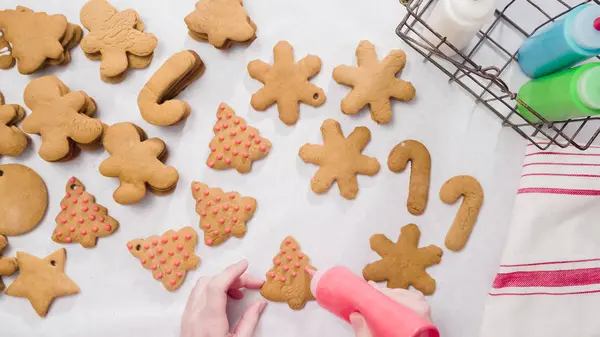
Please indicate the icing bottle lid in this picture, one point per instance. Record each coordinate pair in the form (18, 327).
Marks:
(586, 27)
(588, 88)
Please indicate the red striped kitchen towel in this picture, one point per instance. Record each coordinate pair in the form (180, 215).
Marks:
(549, 280)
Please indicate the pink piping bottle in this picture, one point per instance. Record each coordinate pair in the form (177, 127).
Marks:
(342, 293)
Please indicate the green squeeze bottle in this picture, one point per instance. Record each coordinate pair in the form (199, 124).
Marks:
(566, 94)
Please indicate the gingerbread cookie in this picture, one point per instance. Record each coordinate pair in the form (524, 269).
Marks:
(155, 99)
(8, 265)
(23, 201)
(6, 58)
(222, 215)
(287, 281)
(286, 83)
(236, 144)
(42, 280)
(113, 35)
(168, 256)
(462, 226)
(374, 82)
(60, 117)
(13, 141)
(136, 161)
(420, 172)
(402, 263)
(81, 219)
(340, 159)
(220, 22)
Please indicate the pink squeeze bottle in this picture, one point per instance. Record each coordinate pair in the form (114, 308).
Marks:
(342, 293)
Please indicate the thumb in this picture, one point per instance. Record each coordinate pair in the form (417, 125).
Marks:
(249, 320)
(359, 325)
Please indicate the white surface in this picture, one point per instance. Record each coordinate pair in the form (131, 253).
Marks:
(119, 298)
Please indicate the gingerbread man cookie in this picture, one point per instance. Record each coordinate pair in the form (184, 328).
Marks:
(236, 144)
(13, 141)
(113, 35)
(6, 58)
(402, 263)
(222, 215)
(168, 256)
(286, 83)
(81, 219)
(288, 280)
(60, 117)
(340, 159)
(8, 265)
(220, 22)
(135, 160)
(374, 82)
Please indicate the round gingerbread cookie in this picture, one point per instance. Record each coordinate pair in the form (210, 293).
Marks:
(23, 199)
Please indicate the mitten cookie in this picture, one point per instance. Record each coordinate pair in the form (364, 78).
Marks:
(402, 263)
(236, 144)
(23, 199)
(13, 141)
(113, 34)
(169, 256)
(287, 281)
(8, 265)
(60, 117)
(42, 280)
(81, 219)
(136, 161)
(221, 214)
(462, 226)
(420, 171)
(374, 82)
(340, 159)
(220, 22)
(155, 99)
(286, 83)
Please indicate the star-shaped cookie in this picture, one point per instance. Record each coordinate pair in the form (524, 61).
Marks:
(402, 263)
(42, 280)
(13, 141)
(286, 83)
(374, 82)
(220, 22)
(340, 159)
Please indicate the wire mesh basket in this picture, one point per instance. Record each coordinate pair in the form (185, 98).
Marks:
(490, 62)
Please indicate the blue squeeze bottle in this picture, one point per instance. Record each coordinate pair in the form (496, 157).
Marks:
(568, 41)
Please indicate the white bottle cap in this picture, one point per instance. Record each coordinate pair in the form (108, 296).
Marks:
(583, 31)
(472, 10)
(588, 88)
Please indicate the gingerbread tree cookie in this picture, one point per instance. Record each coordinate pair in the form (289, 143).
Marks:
(222, 215)
(288, 281)
(220, 22)
(374, 82)
(286, 83)
(236, 144)
(13, 141)
(8, 265)
(340, 159)
(136, 161)
(81, 219)
(402, 263)
(168, 256)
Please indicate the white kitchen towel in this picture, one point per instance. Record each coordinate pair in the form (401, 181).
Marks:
(548, 284)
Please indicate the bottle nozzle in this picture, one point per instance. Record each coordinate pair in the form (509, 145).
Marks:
(597, 24)
(310, 271)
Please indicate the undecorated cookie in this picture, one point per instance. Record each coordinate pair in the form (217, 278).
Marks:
(287, 281)
(42, 280)
(402, 264)
(81, 219)
(13, 141)
(420, 172)
(222, 215)
(286, 83)
(23, 200)
(374, 82)
(235, 144)
(168, 256)
(340, 159)
(8, 265)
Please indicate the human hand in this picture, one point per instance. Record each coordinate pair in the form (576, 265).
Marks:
(205, 313)
(412, 299)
